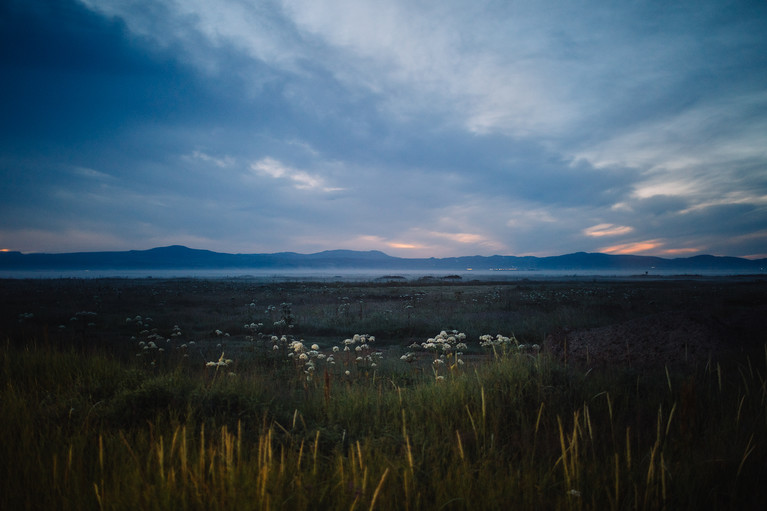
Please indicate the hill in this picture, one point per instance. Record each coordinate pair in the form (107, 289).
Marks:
(181, 257)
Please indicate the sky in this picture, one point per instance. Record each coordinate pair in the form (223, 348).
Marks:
(418, 128)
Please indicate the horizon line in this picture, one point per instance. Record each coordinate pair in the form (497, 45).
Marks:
(748, 258)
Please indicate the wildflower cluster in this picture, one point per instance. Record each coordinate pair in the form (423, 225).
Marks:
(83, 320)
(447, 348)
(503, 346)
(285, 323)
(149, 340)
(305, 358)
(254, 329)
(352, 354)
(499, 341)
(151, 343)
(357, 350)
(222, 362)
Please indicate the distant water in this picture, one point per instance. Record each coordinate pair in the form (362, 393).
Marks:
(356, 275)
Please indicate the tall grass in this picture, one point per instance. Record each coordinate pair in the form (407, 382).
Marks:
(93, 432)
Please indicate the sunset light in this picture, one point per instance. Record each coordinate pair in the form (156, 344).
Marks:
(632, 248)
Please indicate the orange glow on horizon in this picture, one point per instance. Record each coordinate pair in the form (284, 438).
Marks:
(631, 248)
(677, 251)
(404, 245)
(5, 249)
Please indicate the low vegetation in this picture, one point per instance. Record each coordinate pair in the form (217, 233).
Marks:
(290, 408)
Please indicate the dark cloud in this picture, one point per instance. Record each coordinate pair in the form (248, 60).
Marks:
(457, 128)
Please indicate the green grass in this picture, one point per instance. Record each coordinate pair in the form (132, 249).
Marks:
(88, 424)
(93, 432)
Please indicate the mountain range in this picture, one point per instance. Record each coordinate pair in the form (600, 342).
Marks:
(180, 257)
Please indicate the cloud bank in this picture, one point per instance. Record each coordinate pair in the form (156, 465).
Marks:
(444, 129)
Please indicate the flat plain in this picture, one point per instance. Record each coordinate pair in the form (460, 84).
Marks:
(632, 393)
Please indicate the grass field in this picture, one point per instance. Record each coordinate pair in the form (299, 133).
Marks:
(238, 394)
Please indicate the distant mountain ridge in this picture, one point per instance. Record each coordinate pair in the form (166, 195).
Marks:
(181, 257)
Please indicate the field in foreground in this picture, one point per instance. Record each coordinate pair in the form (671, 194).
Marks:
(196, 394)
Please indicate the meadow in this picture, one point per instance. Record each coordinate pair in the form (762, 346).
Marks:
(396, 394)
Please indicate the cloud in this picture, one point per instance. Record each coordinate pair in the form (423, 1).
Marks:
(61, 240)
(390, 246)
(638, 247)
(601, 230)
(301, 180)
(446, 128)
(226, 161)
